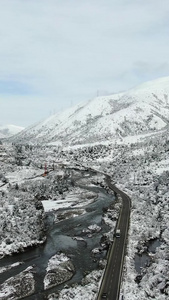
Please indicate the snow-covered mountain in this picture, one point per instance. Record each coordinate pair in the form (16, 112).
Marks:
(9, 130)
(140, 110)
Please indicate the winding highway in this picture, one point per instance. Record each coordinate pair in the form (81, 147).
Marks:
(110, 287)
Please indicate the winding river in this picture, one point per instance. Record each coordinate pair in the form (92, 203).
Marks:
(60, 239)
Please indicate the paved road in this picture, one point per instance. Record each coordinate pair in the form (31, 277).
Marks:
(112, 277)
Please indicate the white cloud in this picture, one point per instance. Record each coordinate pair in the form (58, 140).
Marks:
(66, 50)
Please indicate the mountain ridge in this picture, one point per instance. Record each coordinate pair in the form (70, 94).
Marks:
(9, 130)
(139, 110)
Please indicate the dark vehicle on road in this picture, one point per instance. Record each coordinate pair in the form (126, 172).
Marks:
(104, 296)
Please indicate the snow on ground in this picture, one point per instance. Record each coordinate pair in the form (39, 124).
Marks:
(4, 269)
(19, 286)
(23, 173)
(55, 205)
(138, 152)
(59, 270)
(87, 290)
(76, 199)
(136, 138)
(163, 166)
(75, 147)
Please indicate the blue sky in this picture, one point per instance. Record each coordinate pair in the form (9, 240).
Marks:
(54, 54)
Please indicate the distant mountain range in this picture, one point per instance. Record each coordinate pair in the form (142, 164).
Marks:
(138, 111)
(9, 130)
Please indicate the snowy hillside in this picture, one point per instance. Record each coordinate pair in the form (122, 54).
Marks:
(9, 130)
(140, 110)
(49, 193)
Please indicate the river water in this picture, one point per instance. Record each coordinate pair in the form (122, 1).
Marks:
(60, 239)
(143, 260)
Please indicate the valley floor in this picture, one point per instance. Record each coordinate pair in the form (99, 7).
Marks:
(138, 165)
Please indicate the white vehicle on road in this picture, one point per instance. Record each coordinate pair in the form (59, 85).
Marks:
(117, 233)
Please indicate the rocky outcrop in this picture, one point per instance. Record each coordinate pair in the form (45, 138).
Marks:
(19, 286)
(60, 269)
